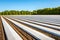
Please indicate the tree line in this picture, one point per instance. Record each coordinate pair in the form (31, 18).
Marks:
(45, 11)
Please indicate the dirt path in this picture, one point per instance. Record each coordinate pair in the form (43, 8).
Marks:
(2, 37)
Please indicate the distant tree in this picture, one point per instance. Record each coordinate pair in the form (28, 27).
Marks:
(45, 11)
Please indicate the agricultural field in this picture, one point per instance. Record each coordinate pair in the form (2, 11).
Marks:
(30, 27)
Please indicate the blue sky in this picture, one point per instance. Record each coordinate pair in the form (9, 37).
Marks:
(27, 4)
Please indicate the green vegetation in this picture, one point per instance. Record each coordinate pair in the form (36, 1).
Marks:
(46, 11)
